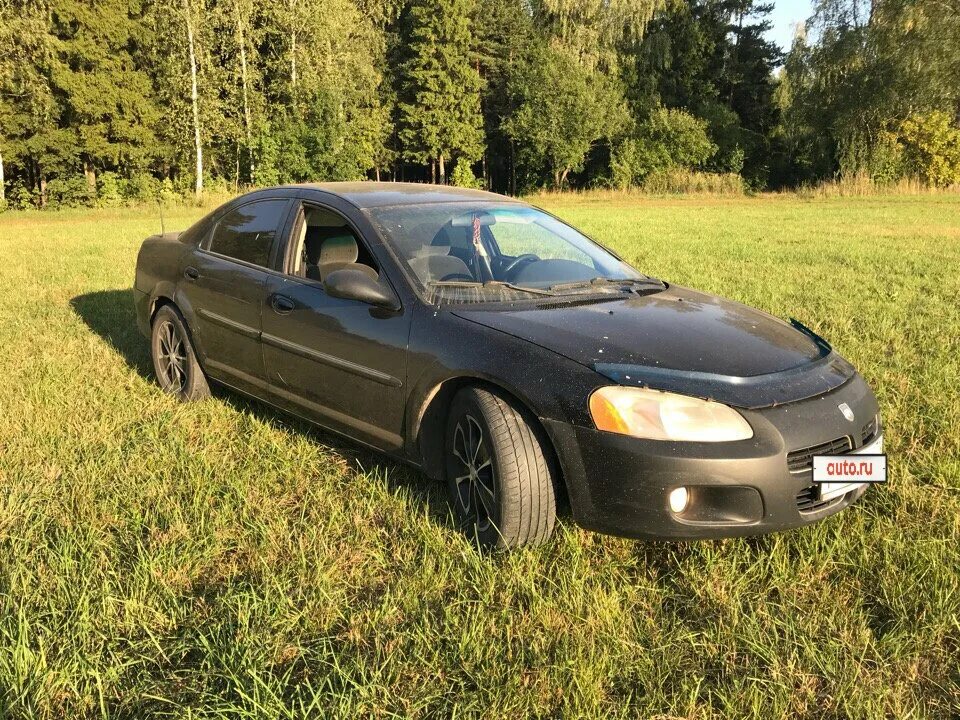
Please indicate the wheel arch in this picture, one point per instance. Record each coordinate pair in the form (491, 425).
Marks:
(429, 421)
(168, 296)
(157, 302)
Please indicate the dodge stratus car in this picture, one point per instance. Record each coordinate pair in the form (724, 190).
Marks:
(500, 350)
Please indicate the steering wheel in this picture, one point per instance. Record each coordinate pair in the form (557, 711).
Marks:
(513, 264)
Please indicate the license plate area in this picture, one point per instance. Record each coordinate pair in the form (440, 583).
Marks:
(836, 475)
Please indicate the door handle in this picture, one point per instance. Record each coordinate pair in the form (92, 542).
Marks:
(282, 305)
(191, 273)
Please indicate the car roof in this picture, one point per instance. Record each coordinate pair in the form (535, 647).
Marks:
(367, 194)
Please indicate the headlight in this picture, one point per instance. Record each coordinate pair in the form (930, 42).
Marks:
(657, 415)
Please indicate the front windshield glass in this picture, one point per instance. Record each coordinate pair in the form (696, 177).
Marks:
(491, 251)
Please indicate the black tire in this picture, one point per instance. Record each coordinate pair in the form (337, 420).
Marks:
(507, 468)
(174, 359)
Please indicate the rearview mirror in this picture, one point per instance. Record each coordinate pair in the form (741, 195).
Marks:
(467, 219)
(357, 285)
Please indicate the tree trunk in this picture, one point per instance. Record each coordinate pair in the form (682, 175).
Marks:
(376, 171)
(443, 171)
(3, 193)
(293, 45)
(563, 178)
(433, 172)
(90, 173)
(194, 99)
(246, 102)
(43, 190)
(735, 53)
(293, 59)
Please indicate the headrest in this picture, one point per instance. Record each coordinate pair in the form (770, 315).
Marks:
(340, 248)
(456, 237)
(317, 236)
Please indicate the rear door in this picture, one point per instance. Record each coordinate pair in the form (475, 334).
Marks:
(223, 281)
(342, 363)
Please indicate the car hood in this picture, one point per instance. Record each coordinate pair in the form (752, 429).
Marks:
(682, 340)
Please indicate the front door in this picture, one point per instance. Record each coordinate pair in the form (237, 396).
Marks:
(340, 362)
(223, 284)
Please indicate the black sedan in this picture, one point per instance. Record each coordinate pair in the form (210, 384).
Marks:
(501, 350)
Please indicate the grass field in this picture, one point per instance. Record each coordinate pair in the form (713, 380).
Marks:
(220, 560)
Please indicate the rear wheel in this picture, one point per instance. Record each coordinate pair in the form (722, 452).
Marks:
(174, 360)
(499, 480)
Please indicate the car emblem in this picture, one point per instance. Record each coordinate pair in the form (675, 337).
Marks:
(847, 412)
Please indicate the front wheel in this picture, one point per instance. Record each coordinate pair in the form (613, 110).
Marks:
(499, 480)
(174, 360)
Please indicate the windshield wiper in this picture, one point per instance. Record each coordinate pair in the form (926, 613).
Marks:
(577, 284)
(489, 284)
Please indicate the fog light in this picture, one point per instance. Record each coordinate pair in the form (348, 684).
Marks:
(679, 499)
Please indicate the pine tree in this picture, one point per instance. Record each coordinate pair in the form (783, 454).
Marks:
(106, 98)
(506, 40)
(36, 146)
(440, 116)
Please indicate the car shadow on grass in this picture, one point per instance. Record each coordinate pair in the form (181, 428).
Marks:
(110, 314)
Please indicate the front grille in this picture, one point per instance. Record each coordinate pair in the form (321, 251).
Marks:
(801, 461)
(807, 501)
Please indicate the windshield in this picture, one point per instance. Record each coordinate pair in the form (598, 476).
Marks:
(478, 252)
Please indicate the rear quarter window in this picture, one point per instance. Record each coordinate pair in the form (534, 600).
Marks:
(248, 233)
(195, 234)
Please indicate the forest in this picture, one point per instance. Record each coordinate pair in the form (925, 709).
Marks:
(104, 102)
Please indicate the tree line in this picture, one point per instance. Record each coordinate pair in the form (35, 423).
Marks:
(107, 100)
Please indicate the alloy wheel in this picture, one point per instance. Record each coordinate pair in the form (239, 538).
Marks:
(172, 358)
(475, 483)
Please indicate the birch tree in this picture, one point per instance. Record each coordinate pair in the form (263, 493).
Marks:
(188, 20)
(594, 31)
(328, 117)
(242, 14)
(186, 77)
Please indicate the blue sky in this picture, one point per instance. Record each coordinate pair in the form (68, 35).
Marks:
(786, 13)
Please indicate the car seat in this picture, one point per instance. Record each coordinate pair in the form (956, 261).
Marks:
(332, 248)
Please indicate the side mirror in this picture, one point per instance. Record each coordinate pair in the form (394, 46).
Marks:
(356, 285)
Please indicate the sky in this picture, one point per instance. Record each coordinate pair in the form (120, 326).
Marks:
(786, 13)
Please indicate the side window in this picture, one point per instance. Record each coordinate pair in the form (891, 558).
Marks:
(248, 232)
(324, 242)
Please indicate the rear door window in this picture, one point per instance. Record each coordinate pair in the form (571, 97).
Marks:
(247, 233)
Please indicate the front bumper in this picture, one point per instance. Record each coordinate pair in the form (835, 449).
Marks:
(620, 485)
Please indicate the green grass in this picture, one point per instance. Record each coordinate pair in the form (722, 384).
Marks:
(218, 559)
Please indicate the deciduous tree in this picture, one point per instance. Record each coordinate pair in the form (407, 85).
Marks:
(563, 109)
